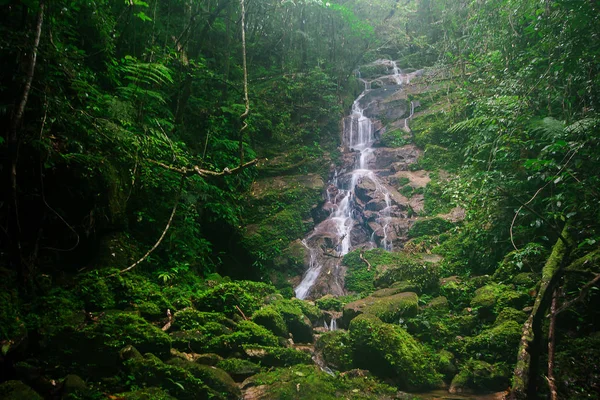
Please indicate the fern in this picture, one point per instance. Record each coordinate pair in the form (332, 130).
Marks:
(471, 125)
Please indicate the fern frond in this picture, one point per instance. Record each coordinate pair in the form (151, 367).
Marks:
(471, 125)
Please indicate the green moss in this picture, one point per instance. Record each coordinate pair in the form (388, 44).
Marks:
(239, 369)
(227, 297)
(271, 319)
(510, 314)
(335, 349)
(435, 157)
(480, 376)
(445, 364)
(151, 393)
(330, 303)
(490, 299)
(310, 310)
(190, 318)
(17, 390)
(246, 333)
(429, 226)
(386, 269)
(497, 343)
(150, 371)
(389, 351)
(269, 356)
(215, 378)
(308, 382)
(388, 309)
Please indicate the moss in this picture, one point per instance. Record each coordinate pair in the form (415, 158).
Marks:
(511, 314)
(151, 393)
(310, 310)
(480, 376)
(497, 343)
(308, 382)
(17, 390)
(330, 303)
(429, 226)
(388, 309)
(246, 333)
(525, 279)
(335, 349)
(150, 370)
(271, 319)
(528, 259)
(215, 378)
(389, 351)
(239, 369)
(269, 356)
(118, 329)
(490, 299)
(10, 316)
(387, 268)
(445, 364)
(227, 297)
(435, 157)
(189, 318)
(193, 340)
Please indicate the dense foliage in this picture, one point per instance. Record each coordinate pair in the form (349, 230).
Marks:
(123, 162)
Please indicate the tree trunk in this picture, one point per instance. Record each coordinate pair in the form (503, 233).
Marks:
(14, 229)
(526, 370)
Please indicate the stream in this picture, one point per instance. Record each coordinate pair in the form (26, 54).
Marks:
(362, 210)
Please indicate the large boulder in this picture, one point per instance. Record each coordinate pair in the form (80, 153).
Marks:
(388, 308)
(389, 352)
(480, 376)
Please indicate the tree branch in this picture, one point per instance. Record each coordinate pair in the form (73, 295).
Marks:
(188, 171)
(161, 236)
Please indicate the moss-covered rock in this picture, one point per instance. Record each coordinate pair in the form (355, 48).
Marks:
(309, 309)
(194, 340)
(116, 329)
(388, 351)
(17, 390)
(151, 393)
(389, 309)
(445, 364)
(271, 319)
(497, 343)
(189, 318)
(439, 303)
(329, 303)
(150, 371)
(492, 298)
(209, 359)
(335, 349)
(276, 356)
(511, 314)
(480, 376)
(239, 369)
(213, 377)
(246, 333)
(308, 382)
(227, 297)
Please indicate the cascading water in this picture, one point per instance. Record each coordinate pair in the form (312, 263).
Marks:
(336, 232)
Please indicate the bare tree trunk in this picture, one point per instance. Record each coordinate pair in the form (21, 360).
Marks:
(14, 228)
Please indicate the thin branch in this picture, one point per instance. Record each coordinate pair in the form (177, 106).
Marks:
(161, 236)
(581, 295)
(246, 100)
(204, 172)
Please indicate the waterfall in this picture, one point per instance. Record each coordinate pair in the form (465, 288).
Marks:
(310, 276)
(333, 324)
(333, 238)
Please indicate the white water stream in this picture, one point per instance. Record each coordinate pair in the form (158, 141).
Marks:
(359, 137)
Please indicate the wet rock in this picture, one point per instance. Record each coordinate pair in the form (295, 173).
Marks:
(277, 356)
